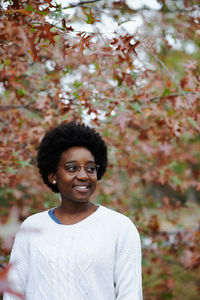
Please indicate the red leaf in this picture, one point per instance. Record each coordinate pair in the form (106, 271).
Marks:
(115, 41)
(50, 34)
(15, 4)
(65, 25)
(132, 47)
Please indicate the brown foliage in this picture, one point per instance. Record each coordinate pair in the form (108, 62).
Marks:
(145, 103)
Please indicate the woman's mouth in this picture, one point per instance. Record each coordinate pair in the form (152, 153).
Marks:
(81, 188)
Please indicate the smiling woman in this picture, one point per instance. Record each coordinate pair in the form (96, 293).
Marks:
(79, 250)
(76, 178)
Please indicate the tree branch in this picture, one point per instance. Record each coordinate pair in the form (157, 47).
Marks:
(4, 122)
(81, 3)
(27, 106)
(33, 159)
(171, 76)
(174, 95)
(7, 125)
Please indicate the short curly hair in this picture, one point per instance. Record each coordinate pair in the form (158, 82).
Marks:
(63, 137)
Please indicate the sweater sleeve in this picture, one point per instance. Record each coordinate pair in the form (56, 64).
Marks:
(127, 269)
(19, 260)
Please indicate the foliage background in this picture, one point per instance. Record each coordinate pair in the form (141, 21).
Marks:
(139, 87)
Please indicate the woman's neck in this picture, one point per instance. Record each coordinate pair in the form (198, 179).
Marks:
(72, 213)
(71, 208)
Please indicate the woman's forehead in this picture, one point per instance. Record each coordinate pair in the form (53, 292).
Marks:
(77, 153)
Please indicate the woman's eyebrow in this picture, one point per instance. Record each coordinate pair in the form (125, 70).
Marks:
(70, 161)
(75, 161)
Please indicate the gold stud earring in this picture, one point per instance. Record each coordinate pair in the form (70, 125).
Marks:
(54, 182)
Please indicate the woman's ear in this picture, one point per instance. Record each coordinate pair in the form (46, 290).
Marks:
(52, 178)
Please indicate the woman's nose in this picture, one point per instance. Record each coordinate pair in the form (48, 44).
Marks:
(82, 174)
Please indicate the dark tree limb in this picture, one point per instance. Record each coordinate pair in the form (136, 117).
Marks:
(28, 107)
(83, 3)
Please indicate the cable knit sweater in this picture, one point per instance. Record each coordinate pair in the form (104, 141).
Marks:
(98, 258)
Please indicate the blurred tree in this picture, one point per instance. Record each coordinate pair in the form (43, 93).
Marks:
(133, 73)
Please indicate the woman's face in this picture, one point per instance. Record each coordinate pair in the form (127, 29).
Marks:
(76, 185)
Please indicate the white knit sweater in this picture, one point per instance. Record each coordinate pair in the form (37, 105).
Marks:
(98, 258)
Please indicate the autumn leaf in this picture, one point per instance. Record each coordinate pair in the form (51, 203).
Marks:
(134, 46)
(68, 28)
(145, 103)
(122, 120)
(90, 17)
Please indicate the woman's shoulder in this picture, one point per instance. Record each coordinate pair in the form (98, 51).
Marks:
(118, 224)
(115, 217)
(35, 220)
(32, 225)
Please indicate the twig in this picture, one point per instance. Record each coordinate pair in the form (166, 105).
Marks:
(4, 122)
(7, 125)
(174, 95)
(100, 34)
(33, 159)
(28, 107)
(81, 3)
(171, 76)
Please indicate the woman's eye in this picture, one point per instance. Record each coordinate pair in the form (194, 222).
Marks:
(91, 169)
(71, 168)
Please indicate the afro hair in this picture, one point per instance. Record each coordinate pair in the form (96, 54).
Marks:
(63, 137)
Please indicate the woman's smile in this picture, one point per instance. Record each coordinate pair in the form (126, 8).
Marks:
(76, 175)
(81, 188)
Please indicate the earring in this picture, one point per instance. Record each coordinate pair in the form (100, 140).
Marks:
(54, 182)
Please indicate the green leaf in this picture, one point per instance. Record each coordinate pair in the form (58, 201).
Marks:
(15, 153)
(80, 110)
(21, 92)
(106, 133)
(21, 122)
(42, 12)
(96, 65)
(65, 116)
(29, 8)
(136, 106)
(172, 164)
(24, 163)
(145, 262)
(192, 122)
(134, 74)
(167, 295)
(6, 93)
(175, 180)
(76, 95)
(68, 69)
(129, 90)
(166, 92)
(11, 170)
(136, 141)
(180, 168)
(77, 84)
(7, 62)
(90, 17)
(171, 112)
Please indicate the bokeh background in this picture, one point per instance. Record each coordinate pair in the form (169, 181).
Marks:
(131, 70)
